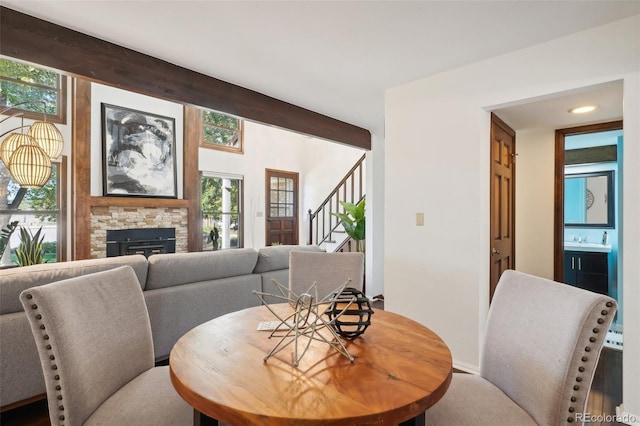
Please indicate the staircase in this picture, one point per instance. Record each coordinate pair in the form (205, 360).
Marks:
(325, 230)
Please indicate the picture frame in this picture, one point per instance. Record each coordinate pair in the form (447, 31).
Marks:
(139, 158)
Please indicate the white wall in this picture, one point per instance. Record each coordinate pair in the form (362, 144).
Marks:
(437, 162)
(320, 164)
(535, 201)
(111, 95)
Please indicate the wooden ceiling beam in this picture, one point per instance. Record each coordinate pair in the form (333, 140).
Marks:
(34, 40)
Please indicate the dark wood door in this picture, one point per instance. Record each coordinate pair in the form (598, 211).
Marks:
(502, 248)
(281, 207)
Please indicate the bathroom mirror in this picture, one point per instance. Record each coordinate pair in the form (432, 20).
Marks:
(588, 200)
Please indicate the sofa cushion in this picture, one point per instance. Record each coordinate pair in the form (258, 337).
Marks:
(14, 280)
(167, 270)
(277, 257)
(20, 370)
(175, 310)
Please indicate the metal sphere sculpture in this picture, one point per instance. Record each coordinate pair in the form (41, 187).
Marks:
(350, 319)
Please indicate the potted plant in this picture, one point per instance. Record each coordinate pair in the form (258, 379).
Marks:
(5, 237)
(353, 221)
(30, 250)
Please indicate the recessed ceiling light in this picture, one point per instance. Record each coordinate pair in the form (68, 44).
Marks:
(583, 109)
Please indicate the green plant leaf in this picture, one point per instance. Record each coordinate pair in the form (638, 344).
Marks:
(353, 220)
(30, 251)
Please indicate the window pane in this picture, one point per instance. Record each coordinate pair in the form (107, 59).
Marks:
(289, 197)
(15, 93)
(221, 131)
(282, 197)
(34, 209)
(28, 73)
(37, 87)
(220, 120)
(221, 216)
(289, 211)
(289, 184)
(218, 136)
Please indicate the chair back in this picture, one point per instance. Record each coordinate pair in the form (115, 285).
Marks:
(542, 343)
(328, 270)
(93, 336)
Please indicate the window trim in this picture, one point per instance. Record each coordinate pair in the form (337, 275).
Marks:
(61, 89)
(240, 130)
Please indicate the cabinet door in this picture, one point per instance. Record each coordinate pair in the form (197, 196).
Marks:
(598, 283)
(592, 272)
(570, 266)
(596, 263)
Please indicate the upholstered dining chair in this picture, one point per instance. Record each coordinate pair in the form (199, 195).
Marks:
(327, 270)
(94, 340)
(541, 347)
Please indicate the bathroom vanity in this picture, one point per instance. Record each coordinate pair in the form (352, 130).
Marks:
(587, 266)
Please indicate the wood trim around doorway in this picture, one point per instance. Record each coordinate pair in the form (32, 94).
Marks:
(558, 207)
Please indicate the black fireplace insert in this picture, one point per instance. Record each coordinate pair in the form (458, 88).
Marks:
(145, 241)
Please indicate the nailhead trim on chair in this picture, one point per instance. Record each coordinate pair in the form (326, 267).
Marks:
(54, 367)
(585, 359)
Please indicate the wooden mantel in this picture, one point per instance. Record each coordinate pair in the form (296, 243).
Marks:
(138, 202)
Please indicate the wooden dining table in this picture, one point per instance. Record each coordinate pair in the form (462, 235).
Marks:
(401, 368)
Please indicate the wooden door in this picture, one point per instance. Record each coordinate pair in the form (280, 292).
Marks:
(281, 207)
(502, 245)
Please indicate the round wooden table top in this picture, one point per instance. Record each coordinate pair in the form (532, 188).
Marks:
(401, 368)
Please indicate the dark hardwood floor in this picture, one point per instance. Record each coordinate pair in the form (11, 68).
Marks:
(606, 394)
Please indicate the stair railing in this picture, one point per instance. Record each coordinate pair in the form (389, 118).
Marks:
(322, 224)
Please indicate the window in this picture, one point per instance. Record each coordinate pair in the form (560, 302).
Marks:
(221, 212)
(220, 131)
(44, 90)
(35, 208)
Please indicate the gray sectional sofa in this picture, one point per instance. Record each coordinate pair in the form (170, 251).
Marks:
(181, 290)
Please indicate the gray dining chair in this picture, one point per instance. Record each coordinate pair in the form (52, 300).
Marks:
(327, 270)
(541, 347)
(94, 341)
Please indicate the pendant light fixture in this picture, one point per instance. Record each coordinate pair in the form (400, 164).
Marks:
(28, 156)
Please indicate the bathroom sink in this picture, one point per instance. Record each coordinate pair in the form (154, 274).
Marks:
(576, 246)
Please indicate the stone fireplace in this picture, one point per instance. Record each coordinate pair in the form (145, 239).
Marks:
(113, 218)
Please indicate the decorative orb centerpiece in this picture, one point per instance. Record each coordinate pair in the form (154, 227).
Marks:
(352, 320)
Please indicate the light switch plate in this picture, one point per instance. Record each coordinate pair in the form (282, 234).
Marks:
(419, 219)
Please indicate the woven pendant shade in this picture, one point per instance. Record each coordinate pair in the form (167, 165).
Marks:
(30, 166)
(11, 143)
(48, 137)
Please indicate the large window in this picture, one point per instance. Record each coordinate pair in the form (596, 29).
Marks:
(35, 209)
(221, 212)
(221, 131)
(32, 91)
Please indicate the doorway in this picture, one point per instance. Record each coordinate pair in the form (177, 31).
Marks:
(281, 195)
(587, 212)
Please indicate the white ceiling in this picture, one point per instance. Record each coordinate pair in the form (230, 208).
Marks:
(333, 57)
(552, 112)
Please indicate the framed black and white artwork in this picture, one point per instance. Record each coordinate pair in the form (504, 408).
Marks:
(139, 157)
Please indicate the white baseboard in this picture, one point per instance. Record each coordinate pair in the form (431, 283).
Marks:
(627, 418)
(467, 368)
